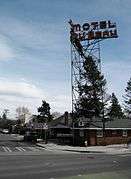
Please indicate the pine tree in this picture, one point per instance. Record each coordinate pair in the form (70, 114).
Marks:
(115, 110)
(90, 102)
(44, 111)
(4, 116)
(127, 99)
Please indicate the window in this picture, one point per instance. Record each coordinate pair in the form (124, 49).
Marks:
(100, 133)
(124, 133)
(114, 132)
(81, 123)
(81, 133)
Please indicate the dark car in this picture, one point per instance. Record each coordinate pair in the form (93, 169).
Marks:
(30, 136)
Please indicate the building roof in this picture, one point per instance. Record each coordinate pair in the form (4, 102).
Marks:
(61, 121)
(60, 126)
(119, 123)
(113, 124)
(97, 124)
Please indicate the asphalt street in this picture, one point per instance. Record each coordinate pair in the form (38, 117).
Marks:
(43, 164)
(10, 143)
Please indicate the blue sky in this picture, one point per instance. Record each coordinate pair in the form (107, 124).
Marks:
(35, 50)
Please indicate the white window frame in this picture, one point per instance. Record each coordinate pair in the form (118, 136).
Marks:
(81, 133)
(124, 133)
(81, 123)
(99, 133)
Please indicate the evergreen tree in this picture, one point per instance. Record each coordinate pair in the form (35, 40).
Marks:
(90, 102)
(4, 116)
(44, 112)
(5, 112)
(127, 99)
(115, 110)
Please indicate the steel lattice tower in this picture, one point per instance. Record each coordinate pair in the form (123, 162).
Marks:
(77, 60)
(80, 50)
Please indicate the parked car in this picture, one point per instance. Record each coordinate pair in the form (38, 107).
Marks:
(30, 136)
(5, 131)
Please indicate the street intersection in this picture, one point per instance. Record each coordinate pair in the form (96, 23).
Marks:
(25, 160)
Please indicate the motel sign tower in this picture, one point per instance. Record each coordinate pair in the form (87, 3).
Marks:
(85, 41)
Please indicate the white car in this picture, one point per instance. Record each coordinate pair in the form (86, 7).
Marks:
(5, 131)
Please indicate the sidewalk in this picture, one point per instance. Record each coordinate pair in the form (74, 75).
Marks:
(110, 149)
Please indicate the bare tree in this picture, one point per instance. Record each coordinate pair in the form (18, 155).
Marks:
(21, 113)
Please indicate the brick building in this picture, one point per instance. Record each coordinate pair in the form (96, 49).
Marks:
(117, 131)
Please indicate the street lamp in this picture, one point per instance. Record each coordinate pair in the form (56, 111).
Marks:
(45, 128)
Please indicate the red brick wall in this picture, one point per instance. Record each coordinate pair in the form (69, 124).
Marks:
(113, 137)
(93, 139)
(112, 140)
(129, 133)
(90, 137)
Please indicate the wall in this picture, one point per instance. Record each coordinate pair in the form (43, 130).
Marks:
(113, 138)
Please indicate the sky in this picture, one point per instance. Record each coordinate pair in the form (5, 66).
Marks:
(35, 50)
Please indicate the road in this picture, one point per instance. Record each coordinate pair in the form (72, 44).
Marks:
(12, 144)
(43, 164)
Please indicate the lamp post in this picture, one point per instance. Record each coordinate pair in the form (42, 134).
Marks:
(45, 128)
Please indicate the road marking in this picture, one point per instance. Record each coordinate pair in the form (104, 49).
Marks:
(6, 149)
(20, 149)
(34, 149)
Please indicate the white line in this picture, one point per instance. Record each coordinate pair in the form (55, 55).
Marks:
(19, 148)
(8, 149)
(5, 149)
(22, 149)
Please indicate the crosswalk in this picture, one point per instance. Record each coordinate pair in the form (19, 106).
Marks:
(6, 149)
(20, 149)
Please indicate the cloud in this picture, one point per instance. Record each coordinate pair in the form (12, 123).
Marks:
(27, 35)
(6, 52)
(21, 92)
(61, 102)
(39, 43)
(19, 89)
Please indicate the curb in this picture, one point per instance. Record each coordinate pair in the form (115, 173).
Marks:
(81, 151)
(88, 152)
(77, 151)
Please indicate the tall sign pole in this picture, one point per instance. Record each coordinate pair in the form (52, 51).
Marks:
(85, 41)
